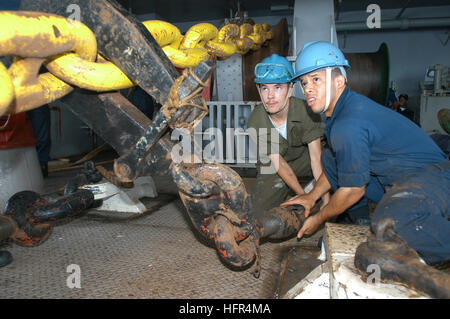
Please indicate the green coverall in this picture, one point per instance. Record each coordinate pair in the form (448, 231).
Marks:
(303, 127)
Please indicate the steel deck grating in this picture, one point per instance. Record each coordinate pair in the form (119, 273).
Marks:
(157, 255)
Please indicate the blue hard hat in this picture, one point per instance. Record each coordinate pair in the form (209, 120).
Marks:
(316, 55)
(274, 69)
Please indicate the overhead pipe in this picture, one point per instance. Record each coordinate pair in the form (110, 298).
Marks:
(401, 24)
(402, 10)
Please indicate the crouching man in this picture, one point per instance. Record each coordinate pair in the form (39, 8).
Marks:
(405, 173)
(288, 132)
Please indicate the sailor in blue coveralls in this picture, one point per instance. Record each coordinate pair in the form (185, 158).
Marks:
(405, 173)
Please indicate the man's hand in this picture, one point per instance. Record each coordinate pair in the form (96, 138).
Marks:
(305, 200)
(309, 226)
(342, 199)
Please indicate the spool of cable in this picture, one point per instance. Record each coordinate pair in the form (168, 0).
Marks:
(369, 73)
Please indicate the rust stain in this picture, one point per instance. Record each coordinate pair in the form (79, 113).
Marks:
(223, 253)
(56, 31)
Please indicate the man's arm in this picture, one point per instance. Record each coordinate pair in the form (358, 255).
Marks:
(342, 199)
(286, 173)
(315, 152)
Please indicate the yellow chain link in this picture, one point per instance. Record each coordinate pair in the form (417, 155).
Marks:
(68, 49)
(36, 36)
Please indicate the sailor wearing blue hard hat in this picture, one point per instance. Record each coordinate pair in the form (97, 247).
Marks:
(367, 162)
(320, 55)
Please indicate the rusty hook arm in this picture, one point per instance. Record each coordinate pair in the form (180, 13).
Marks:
(129, 166)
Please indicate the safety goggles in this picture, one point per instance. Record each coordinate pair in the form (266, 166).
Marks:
(272, 71)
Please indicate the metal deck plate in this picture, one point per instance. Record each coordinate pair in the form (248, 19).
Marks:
(157, 255)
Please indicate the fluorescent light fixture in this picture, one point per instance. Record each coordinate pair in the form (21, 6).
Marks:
(280, 8)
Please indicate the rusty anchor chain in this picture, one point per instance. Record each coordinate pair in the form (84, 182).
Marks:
(220, 209)
(29, 218)
(218, 205)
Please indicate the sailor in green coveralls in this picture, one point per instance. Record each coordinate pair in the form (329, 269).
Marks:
(288, 132)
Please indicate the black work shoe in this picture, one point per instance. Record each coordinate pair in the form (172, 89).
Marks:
(5, 258)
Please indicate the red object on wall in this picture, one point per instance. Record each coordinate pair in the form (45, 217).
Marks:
(16, 131)
(207, 91)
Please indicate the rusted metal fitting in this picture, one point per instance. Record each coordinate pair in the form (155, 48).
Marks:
(281, 222)
(89, 174)
(27, 230)
(199, 180)
(237, 246)
(400, 263)
(29, 218)
(218, 205)
(284, 222)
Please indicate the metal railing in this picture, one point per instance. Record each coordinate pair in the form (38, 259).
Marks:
(224, 131)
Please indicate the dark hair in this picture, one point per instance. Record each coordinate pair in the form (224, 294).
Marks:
(405, 96)
(338, 71)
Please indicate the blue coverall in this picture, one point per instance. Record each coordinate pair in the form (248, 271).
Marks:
(404, 171)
